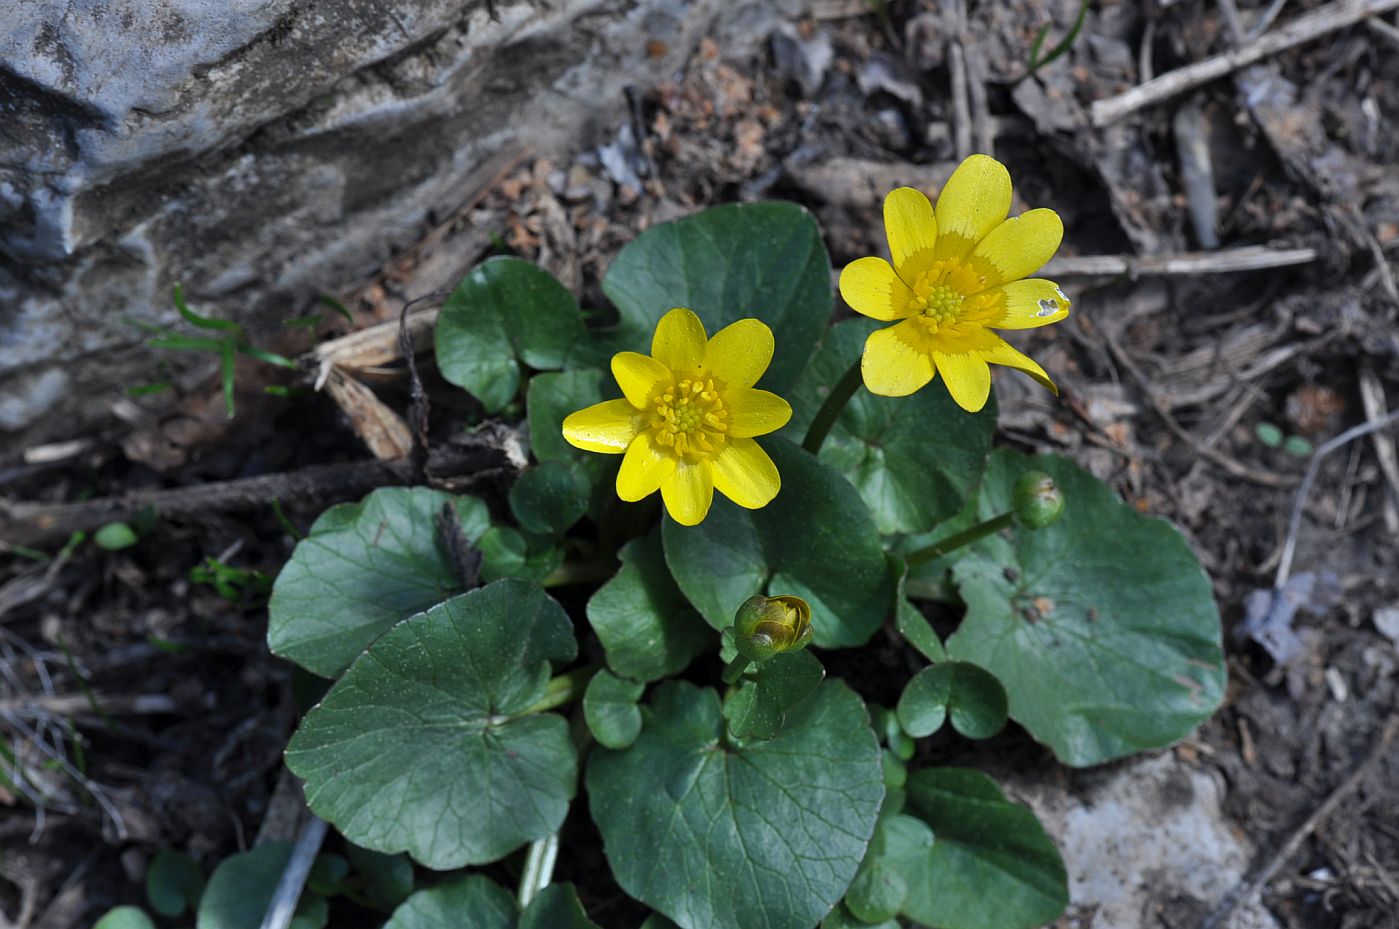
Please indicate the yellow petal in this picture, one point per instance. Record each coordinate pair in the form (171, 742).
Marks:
(1031, 303)
(893, 364)
(740, 353)
(638, 376)
(967, 377)
(756, 412)
(912, 231)
(688, 492)
(606, 427)
(973, 202)
(1021, 245)
(872, 288)
(1003, 353)
(679, 342)
(745, 474)
(644, 469)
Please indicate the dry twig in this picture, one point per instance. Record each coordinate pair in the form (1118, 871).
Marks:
(1247, 889)
(1249, 258)
(1309, 26)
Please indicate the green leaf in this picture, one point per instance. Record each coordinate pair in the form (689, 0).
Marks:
(711, 835)
(815, 541)
(551, 397)
(609, 707)
(972, 696)
(550, 497)
(505, 552)
(124, 917)
(427, 743)
(386, 880)
(757, 709)
(242, 885)
(556, 907)
(507, 313)
(327, 873)
(910, 621)
(877, 893)
(991, 866)
(915, 460)
(473, 901)
(115, 536)
(647, 628)
(364, 567)
(841, 918)
(1102, 626)
(763, 260)
(173, 883)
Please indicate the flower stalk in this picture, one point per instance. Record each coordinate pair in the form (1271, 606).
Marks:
(832, 407)
(1036, 500)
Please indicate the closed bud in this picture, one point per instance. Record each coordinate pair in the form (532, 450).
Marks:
(1037, 499)
(768, 626)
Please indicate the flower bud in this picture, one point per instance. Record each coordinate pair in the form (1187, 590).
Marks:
(1038, 501)
(768, 626)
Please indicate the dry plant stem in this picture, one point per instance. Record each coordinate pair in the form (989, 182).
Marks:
(1317, 23)
(831, 408)
(1290, 545)
(303, 854)
(1253, 475)
(1246, 890)
(958, 540)
(539, 868)
(1383, 29)
(1251, 258)
(1376, 409)
(36, 523)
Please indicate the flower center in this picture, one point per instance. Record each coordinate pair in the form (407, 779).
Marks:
(943, 303)
(690, 418)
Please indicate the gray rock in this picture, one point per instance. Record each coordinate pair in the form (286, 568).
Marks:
(260, 151)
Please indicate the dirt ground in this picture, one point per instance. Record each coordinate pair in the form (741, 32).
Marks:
(146, 699)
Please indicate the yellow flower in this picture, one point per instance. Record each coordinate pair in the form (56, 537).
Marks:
(957, 275)
(687, 421)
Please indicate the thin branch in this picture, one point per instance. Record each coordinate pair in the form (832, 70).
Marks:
(1305, 28)
(282, 906)
(1249, 258)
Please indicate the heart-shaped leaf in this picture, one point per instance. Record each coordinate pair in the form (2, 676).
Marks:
(971, 696)
(550, 497)
(474, 900)
(385, 880)
(718, 833)
(505, 314)
(1102, 626)
(555, 907)
(364, 567)
(815, 541)
(428, 743)
(759, 706)
(242, 885)
(174, 883)
(915, 460)
(610, 710)
(647, 627)
(764, 260)
(991, 866)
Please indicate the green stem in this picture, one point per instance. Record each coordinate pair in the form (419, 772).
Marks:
(581, 572)
(830, 409)
(954, 542)
(734, 669)
(563, 689)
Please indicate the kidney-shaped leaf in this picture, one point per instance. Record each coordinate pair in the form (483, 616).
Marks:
(364, 567)
(426, 744)
(716, 835)
(504, 313)
(242, 885)
(647, 628)
(915, 460)
(990, 865)
(1102, 626)
(475, 901)
(764, 260)
(971, 696)
(815, 541)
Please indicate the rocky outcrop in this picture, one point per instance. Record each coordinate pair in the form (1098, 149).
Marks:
(260, 151)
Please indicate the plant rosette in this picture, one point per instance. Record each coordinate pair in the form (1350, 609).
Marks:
(727, 488)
